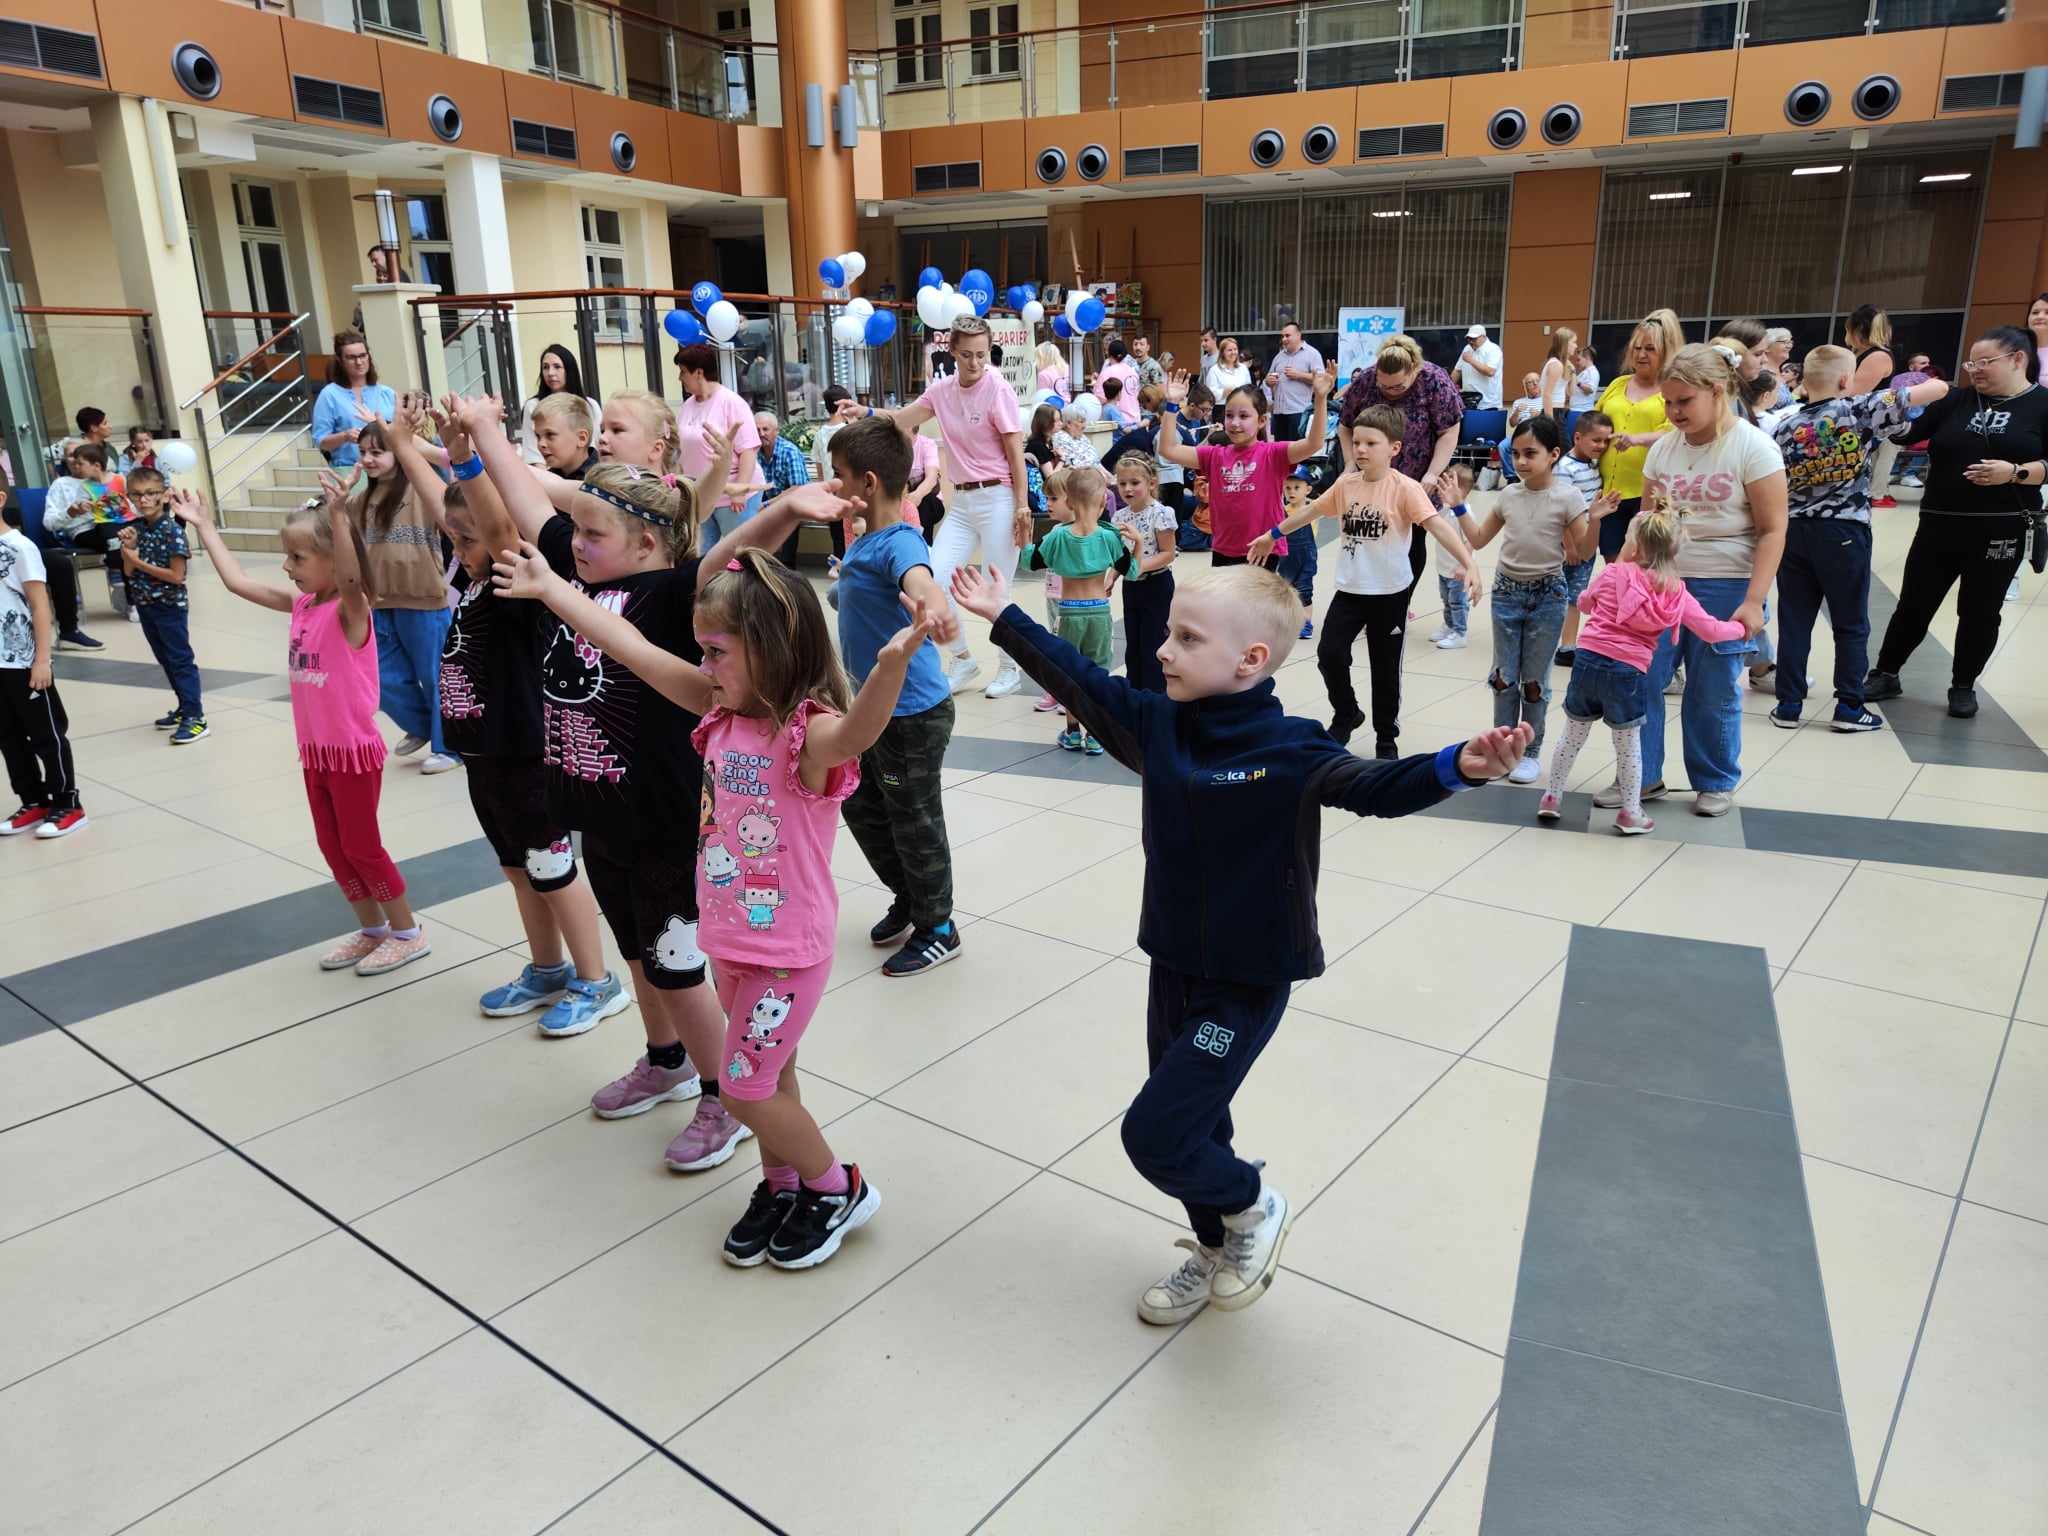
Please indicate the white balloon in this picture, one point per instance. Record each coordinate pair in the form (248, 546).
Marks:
(722, 320)
(959, 307)
(1034, 313)
(933, 309)
(1074, 298)
(175, 456)
(1088, 406)
(1045, 397)
(860, 307)
(849, 330)
(853, 264)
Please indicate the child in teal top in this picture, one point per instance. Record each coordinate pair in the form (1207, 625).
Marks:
(1084, 554)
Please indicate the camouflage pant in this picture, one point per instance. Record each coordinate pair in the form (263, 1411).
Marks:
(896, 817)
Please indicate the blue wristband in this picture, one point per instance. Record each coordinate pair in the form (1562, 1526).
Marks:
(470, 470)
(1170, 408)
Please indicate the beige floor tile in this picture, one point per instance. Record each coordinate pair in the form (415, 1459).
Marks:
(878, 1030)
(2010, 885)
(932, 1185)
(1008, 1088)
(1318, 1096)
(1027, 789)
(49, 1071)
(1969, 813)
(1875, 761)
(69, 1160)
(1984, 786)
(1775, 789)
(1098, 910)
(1457, 1509)
(130, 859)
(1966, 1456)
(490, 914)
(1880, 1526)
(1526, 1036)
(471, 1439)
(1356, 1460)
(970, 816)
(2011, 1169)
(658, 1498)
(1891, 1084)
(998, 1386)
(1553, 874)
(1878, 1244)
(73, 1282)
(1437, 1237)
(1122, 804)
(504, 1227)
(165, 1032)
(1734, 896)
(1350, 909)
(1042, 854)
(111, 1434)
(107, 921)
(1421, 852)
(1969, 947)
(1418, 977)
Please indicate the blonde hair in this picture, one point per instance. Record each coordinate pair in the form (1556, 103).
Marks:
(312, 520)
(1657, 534)
(1266, 603)
(565, 407)
(655, 416)
(1563, 342)
(1086, 486)
(1706, 367)
(664, 505)
(1663, 328)
(1399, 353)
(1141, 461)
(1049, 354)
(1829, 362)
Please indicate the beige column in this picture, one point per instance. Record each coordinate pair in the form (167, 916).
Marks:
(388, 327)
(811, 50)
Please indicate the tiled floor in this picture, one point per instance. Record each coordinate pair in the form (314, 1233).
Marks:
(285, 1251)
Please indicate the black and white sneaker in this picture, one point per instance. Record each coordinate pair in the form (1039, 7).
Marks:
(812, 1231)
(747, 1243)
(75, 639)
(1855, 718)
(927, 947)
(894, 925)
(167, 722)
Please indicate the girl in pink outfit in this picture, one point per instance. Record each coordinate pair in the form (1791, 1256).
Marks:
(333, 661)
(1628, 606)
(780, 739)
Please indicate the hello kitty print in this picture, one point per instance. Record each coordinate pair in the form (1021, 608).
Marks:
(582, 718)
(765, 893)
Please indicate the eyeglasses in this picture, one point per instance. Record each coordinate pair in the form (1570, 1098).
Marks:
(1976, 363)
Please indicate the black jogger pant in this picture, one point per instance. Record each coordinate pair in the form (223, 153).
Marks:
(33, 741)
(1983, 554)
(1384, 621)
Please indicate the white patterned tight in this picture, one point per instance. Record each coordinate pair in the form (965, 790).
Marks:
(1628, 761)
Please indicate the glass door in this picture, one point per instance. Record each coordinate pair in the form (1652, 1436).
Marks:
(22, 430)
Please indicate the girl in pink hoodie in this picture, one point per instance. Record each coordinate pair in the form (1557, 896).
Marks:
(1629, 605)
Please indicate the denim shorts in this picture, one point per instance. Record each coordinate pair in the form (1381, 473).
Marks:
(1605, 689)
(1578, 577)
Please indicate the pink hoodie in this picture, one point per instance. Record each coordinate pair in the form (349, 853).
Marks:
(1626, 612)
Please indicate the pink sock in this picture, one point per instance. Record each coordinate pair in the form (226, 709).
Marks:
(781, 1178)
(832, 1182)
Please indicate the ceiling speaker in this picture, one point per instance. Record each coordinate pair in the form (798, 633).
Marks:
(196, 71)
(1876, 97)
(1319, 144)
(1561, 123)
(1092, 164)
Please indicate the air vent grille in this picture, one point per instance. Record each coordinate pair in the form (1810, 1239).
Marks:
(1163, 160)
(24, 45)
(959, 176)
(1412, 139)
(338, 103)
(1655, 119)
(1978, 93)
(531, 138)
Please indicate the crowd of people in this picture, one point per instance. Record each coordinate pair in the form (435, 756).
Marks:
(593, 610)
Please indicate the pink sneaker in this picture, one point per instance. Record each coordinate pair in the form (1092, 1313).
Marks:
(343, 956)
(1550, 807)
(393, 953)
(711, 1137)
(1632, 826)
(644, 1087)
(1046, 704)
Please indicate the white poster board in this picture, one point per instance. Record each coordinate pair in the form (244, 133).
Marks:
(1014, 337)
(1359, 335)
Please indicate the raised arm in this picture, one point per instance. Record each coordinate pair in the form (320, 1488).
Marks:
(405, 447)
(190, 508)
(1318, 413)
(921, 589)
(1483, 529)
(462, 418)
(908, 418)
(348, 573)
(835, 739)
(526, 500)
(528, 575)
(715, 484)
(818, 501)
(1171, 448)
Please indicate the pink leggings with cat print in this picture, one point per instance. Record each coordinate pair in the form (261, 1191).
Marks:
(766, 1012)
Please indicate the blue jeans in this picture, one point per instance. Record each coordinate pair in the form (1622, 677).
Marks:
(167, 628)
(1604, 688)
(724, 520)
(1298, 566)
(1710, 715)
(1528, 617)
(1457, 607)
(409, 668)
(1578, 577)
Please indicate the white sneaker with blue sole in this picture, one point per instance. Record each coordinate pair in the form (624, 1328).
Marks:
(584, 1005)
(536, 987)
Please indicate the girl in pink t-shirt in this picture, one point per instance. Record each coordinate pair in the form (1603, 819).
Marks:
(780, 737)
(1246, 472)
(333, 665)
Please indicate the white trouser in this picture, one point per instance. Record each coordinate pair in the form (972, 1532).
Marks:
(1881, 468)
(983, 517)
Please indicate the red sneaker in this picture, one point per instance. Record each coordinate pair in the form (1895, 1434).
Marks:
(23, 820)
(1881, 502)
(61, 823)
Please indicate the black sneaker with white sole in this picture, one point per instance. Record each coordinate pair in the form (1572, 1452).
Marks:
(1881, 685)
(894, 925)
(167, 722)
(926, 948)
(817, 1223)
(1853, 717)
(747, 1243)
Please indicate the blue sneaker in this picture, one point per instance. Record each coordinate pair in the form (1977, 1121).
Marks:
(583, 1005)
(1072, 741)
(535, 988)
(1308, 629)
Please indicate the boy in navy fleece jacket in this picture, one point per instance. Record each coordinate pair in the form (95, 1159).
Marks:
(1233, 789)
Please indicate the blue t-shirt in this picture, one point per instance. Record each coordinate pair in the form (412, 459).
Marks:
(870, 583)
(334, 410)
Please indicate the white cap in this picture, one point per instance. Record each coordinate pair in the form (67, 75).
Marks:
(1477, 333)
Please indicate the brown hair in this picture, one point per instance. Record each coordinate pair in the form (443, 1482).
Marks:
(1387, 420)
(377, 502)
(669, 505)
(312, 520)
(700, 357)
(145, 479)
(780, 623)
(876, 446)
(345, 338)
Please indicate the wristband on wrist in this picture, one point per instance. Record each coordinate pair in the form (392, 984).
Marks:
(1170, 408)
(469, 470)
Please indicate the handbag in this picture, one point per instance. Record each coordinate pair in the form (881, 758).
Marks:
(2037, 541)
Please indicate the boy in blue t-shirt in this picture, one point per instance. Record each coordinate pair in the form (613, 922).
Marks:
(895, 814)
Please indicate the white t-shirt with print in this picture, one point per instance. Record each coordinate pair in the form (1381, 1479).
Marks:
(1155, 522)
(1708, 485)
(20, 563)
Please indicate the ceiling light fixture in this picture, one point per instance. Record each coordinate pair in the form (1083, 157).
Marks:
(1946, 176)
(1815, 170)
(1668, 197)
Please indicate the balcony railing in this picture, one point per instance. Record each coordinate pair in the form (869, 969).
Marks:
(628, 53)
(1645, 30)
(409, 21)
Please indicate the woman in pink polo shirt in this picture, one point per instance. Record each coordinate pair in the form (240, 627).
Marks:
(708, 403)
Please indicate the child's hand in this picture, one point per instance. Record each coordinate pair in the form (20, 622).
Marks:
(364, 414)
(1177, 386)
(523, 572)
(716, 443)
(983, 591)
(945, 623)
(1322, 383)
(1446, 486)
(1603, 504)
(1261, 550)
(1473, 591)
(189, 506)
(849, 410)
(1491, 754)
(334, 492)
(1020, 529)
(905, 642)
(39, 677)
(817, 501)
(410, 414)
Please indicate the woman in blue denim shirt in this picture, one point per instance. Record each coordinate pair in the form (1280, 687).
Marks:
(351, 401)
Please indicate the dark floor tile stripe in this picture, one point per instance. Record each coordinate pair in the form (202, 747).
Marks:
(73, 667)
(1670, 1365)
(1986, 850)
(1992, 740)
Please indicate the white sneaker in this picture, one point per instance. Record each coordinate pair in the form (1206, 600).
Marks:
(1251, 1251)
(1009, 678)
(439, 762)
(1911, 482)
(1185, 1292)
(408, 744)
(2012, 593)
(1453, 642)
(1527, 771)
(1436, 635)
(961, 672)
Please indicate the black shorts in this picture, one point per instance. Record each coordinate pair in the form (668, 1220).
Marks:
(649, 897)
(510, 798)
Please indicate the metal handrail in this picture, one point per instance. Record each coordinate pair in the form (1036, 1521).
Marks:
(243, 361)
(65, 309)
(228, 405)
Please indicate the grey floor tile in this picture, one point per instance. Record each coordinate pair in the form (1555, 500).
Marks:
(17, 1020)
(1675, 1235)
(1504, 807)
(1988, 850)
(1920, 718)
(72, 667)
(1587, 1447)
(1676, 1016)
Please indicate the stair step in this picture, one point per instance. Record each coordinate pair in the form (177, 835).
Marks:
(245, 516)
(282, 496)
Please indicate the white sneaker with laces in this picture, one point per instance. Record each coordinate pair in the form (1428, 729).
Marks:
(1008, 679)
(439, 762)
(1453, 642)
(1251, 1251)
(1185, 1292)
(1527, 771)
(1436, 635)
(961, 672)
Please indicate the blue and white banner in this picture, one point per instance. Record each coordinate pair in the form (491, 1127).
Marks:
(1359, 334)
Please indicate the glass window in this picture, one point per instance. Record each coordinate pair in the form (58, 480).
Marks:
(1000, 57)
(255, 205)
(1798, 21)
(1655, 244)
(1251, 266)
(1649, 30)
(1455, 252)
(1255, 55)
(604, 262)
(1781, 238)
(1350, 254)
(920, 60)
(1914, 239)
(426, 216)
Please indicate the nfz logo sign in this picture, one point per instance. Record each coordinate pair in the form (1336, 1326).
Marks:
(1237, 776)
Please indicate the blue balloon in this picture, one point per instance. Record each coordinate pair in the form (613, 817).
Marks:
(1060, 328)
(979, 287)
(1014, 296)
(704, 295)
(682, 327)
(1089, 314)
(930, 277)
(1029, 290)
(831, 273)
(880, 327)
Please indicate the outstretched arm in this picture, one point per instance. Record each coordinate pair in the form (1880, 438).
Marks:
(1318, 414)
(835, 739)
(529, 575)
(190, 508)
(419, 474)
(463, 418)
(525, 498)
(1171, 448)
(817, 501)
(1443, 528)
